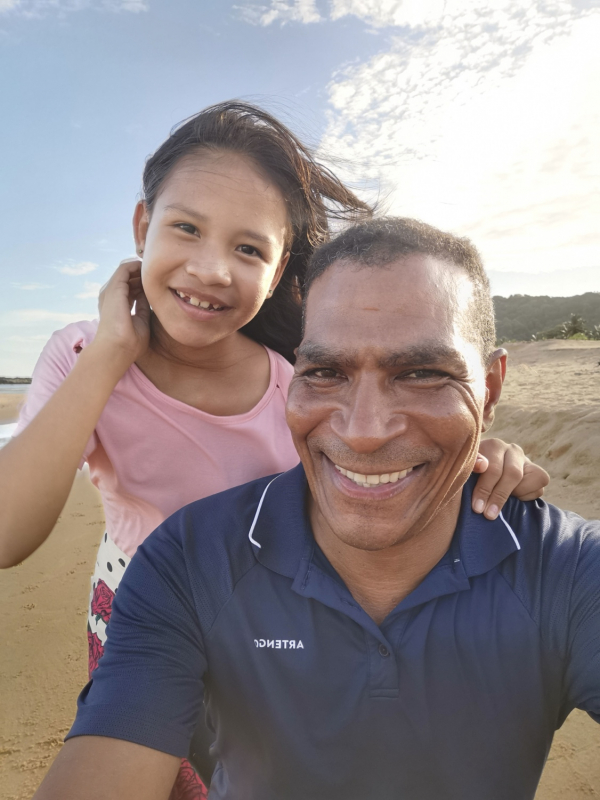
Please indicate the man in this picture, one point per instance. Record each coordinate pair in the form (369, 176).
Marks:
(359, 631)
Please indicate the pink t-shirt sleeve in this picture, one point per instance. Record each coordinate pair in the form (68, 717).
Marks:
(56, 361)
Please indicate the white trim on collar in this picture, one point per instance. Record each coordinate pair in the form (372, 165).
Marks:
(255, 520)
(512, 533)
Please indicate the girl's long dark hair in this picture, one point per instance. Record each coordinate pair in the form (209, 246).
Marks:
(313, 194)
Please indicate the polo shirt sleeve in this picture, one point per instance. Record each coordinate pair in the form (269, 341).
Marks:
(148, 686)
(583, 669)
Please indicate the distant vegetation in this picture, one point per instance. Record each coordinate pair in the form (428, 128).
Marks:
(522, 317)
(15, 380)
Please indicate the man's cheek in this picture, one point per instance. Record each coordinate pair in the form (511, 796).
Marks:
(298, 413)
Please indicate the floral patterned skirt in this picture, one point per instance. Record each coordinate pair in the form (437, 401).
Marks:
(111, 563)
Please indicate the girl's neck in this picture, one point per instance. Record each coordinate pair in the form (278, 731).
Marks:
(225, 378)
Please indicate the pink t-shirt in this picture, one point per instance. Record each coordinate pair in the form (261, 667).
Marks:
(150, 454)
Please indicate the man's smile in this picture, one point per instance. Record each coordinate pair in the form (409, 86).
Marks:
(374, 486)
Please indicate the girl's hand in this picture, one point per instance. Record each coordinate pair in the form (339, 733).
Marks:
(506, 470)
(126, 334)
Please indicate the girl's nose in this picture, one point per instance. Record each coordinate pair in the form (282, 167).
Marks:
(209, 271)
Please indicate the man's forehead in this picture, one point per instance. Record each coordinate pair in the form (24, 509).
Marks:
(413, 284)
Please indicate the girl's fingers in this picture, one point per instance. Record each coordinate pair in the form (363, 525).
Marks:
(503, 474)
(481, 463)
(142, 308)
(124, 278)
(535, 479)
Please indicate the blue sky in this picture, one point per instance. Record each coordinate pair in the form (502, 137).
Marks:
(481, 117)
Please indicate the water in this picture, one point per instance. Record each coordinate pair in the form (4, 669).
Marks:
(6, 431)
(14, 388)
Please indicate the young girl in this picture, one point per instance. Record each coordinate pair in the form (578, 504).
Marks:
(185, 397)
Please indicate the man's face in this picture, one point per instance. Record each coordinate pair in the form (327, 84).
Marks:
(389, 397)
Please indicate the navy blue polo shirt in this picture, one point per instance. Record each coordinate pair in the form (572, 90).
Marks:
(455, 696)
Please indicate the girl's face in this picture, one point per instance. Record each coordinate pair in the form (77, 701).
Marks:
(213, 246)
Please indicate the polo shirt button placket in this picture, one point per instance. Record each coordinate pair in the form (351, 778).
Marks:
(383, 670)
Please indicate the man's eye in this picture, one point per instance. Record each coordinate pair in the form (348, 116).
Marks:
(424, 375)
(321, 373)
(186, 227)
(248, 250)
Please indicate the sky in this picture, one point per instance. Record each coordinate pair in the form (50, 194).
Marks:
(479, 116)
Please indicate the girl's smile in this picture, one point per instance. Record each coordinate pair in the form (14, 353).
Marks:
(201, 306)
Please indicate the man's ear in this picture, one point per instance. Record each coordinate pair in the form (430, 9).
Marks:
(141, 221)
(493, 386)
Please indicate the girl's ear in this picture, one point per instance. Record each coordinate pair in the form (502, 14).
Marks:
(141, 221)
(279, 271)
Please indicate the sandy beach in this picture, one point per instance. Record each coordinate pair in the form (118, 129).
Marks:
(9, 406)
(550, 406)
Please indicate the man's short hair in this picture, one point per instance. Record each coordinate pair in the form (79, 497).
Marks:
(380, 242)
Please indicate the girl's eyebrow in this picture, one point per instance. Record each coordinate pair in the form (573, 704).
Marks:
(260, 237)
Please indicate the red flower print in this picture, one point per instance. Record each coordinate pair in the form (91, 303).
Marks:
(95, 651)
(188, 785)
(102, 601)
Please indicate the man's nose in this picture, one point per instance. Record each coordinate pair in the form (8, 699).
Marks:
(369, 418)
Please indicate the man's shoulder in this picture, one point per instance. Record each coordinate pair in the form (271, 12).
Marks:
(559, 555)
(542, 527)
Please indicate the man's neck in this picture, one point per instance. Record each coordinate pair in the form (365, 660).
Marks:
(380, 579)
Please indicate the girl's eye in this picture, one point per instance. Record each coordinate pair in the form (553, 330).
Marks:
(186, 227)
(248, 250)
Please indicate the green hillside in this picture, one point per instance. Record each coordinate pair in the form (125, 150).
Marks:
(521, 316)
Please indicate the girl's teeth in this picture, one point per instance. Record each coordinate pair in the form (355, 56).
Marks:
(368, 481)
(193, 301)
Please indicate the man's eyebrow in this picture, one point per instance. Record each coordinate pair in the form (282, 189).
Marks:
(259, 237)
(321, 354)
(419, 355)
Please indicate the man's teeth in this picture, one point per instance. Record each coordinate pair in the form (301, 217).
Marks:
(368, 481)
(198, 303)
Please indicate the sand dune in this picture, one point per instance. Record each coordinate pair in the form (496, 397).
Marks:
(550, 406)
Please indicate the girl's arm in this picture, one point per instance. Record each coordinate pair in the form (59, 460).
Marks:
(37, 467)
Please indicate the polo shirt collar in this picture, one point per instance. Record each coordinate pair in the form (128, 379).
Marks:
(287, 544)
(282, 527)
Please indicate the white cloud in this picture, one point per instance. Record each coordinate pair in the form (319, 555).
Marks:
(37, 8)
(283, 11)
(82, 268)
(391, 12)
(485, 122)
(558, 283)
(91, 291)
(133, 6)
(19, 318)
(30, 287)
(23, 333)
